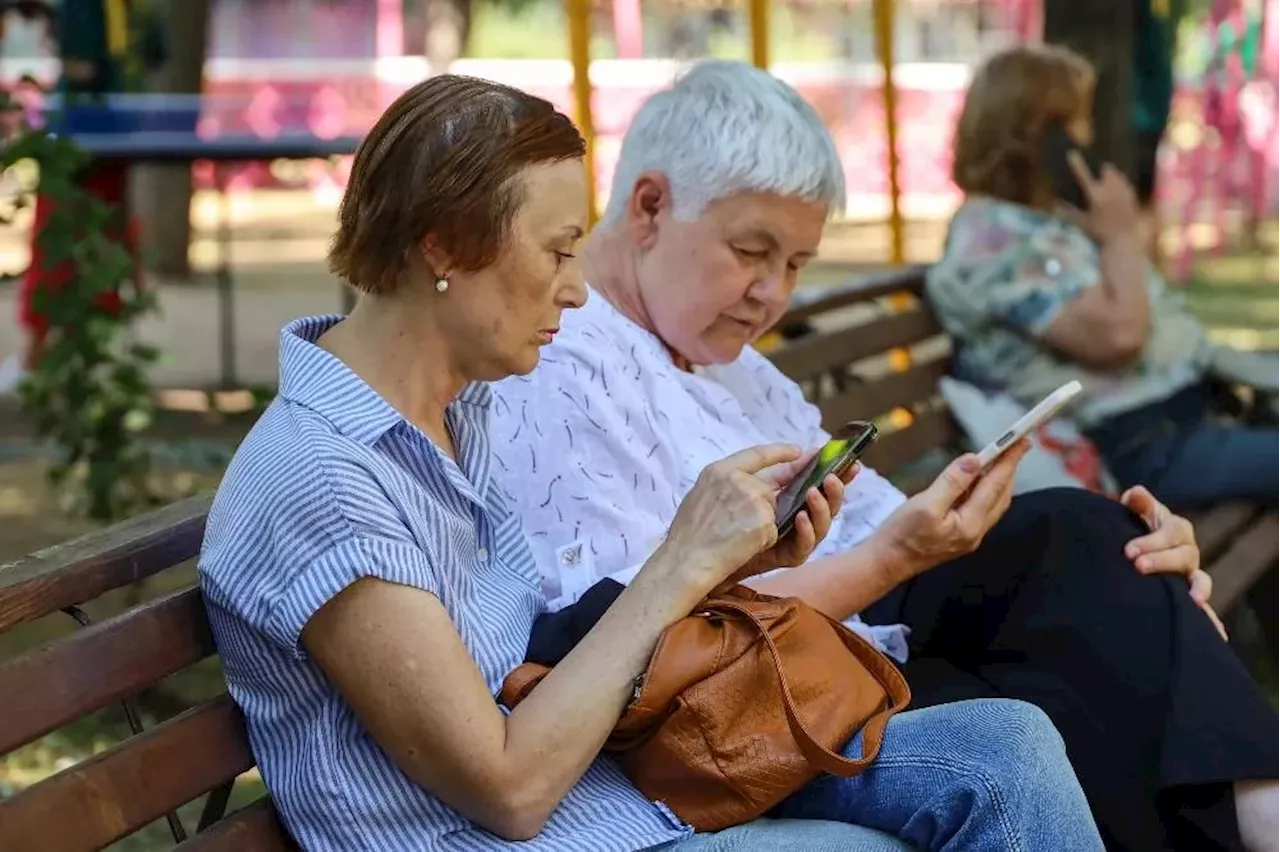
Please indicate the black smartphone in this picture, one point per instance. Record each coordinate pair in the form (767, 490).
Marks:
(1062, 180)
(836, 456)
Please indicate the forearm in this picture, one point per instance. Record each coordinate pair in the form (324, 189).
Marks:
(840, 585)
(1124, 278)
(553, 735)
(397, 657)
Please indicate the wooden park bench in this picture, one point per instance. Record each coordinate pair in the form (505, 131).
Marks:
(200, 752)
(874, 350)
(148, 776)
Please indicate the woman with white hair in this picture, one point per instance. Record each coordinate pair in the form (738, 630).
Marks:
(724, 184)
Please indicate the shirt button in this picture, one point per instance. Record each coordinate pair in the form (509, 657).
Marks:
(482, 554)
(1052, 266)
(571, 556)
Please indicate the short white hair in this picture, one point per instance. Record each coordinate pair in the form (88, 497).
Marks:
(724, 128)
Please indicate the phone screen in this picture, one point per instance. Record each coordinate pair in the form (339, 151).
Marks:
(836, 456)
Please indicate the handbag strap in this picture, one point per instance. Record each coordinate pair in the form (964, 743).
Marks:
(817, 754)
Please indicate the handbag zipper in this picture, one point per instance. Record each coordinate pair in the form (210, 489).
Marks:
(638, 684)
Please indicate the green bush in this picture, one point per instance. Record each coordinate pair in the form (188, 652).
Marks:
(89, 393)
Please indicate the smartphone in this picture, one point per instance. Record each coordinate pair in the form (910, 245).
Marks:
(1029, 422)
(1062, 179)
(836, 456)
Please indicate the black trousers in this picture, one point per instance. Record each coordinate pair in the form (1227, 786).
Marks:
(1158, 714)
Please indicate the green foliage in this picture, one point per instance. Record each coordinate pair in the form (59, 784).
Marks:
(88, 393)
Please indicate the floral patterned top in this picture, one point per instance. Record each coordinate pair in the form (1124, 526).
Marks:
(1006, 274)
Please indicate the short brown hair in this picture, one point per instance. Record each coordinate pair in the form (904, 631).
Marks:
(441, 161)
(1013, 97)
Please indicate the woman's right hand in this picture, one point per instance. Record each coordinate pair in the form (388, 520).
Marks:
(1113, 205)
(950, 517)
(728, 517)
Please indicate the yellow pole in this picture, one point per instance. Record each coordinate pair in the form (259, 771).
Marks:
(889, 93)
(578, 13)
(899, 359)
(759, 12)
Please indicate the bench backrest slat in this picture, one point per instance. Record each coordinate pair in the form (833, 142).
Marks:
(875, 398)
(927, 432)
(52, 686)
(123, 789)
(92, 565)
(253, 828)
(827, 365)
(824, 353)
(864, 288)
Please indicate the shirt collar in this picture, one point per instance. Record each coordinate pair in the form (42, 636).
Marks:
(316, 379)
(643, 337)
(613, 317)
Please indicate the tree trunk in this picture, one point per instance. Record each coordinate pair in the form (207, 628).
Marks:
(448, 27)
(162, 192)
(1102, 31)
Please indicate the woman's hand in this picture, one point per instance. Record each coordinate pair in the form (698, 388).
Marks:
(811, 525)
(951, 517)
(727, 520)
(1113, 205)
(1170, 548)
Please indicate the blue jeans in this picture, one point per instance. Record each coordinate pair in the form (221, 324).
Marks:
(1188, 461)
(972, 775)
(1206, 465)
(789, 835)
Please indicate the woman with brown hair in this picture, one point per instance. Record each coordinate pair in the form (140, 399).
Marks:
(1036, 292)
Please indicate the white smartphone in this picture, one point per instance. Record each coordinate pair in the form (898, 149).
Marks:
(1029, 422)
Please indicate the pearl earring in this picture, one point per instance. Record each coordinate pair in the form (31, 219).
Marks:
(442, 284)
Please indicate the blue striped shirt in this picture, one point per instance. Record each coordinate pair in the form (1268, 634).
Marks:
(332, 485)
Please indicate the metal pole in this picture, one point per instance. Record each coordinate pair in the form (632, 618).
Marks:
(759, 13)
(889, 93)
(578, 13)
(226, 290)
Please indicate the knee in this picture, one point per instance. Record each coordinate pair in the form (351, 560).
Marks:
(1018, 732)
(1074, 501)
(1097, 517)
(1021, 755)
(1026, 783)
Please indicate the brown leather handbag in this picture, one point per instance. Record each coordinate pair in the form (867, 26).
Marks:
(743, 703)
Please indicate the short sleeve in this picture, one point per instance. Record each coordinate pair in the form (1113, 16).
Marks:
(332, 571)
(1010, 266)
(1038, 277)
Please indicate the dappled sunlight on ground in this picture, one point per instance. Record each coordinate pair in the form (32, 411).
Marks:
(30, 517)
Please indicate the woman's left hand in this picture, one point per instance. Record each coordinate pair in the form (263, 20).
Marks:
(1170, 548)
(811, 525)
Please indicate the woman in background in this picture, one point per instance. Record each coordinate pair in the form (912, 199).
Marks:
(1035, 294)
